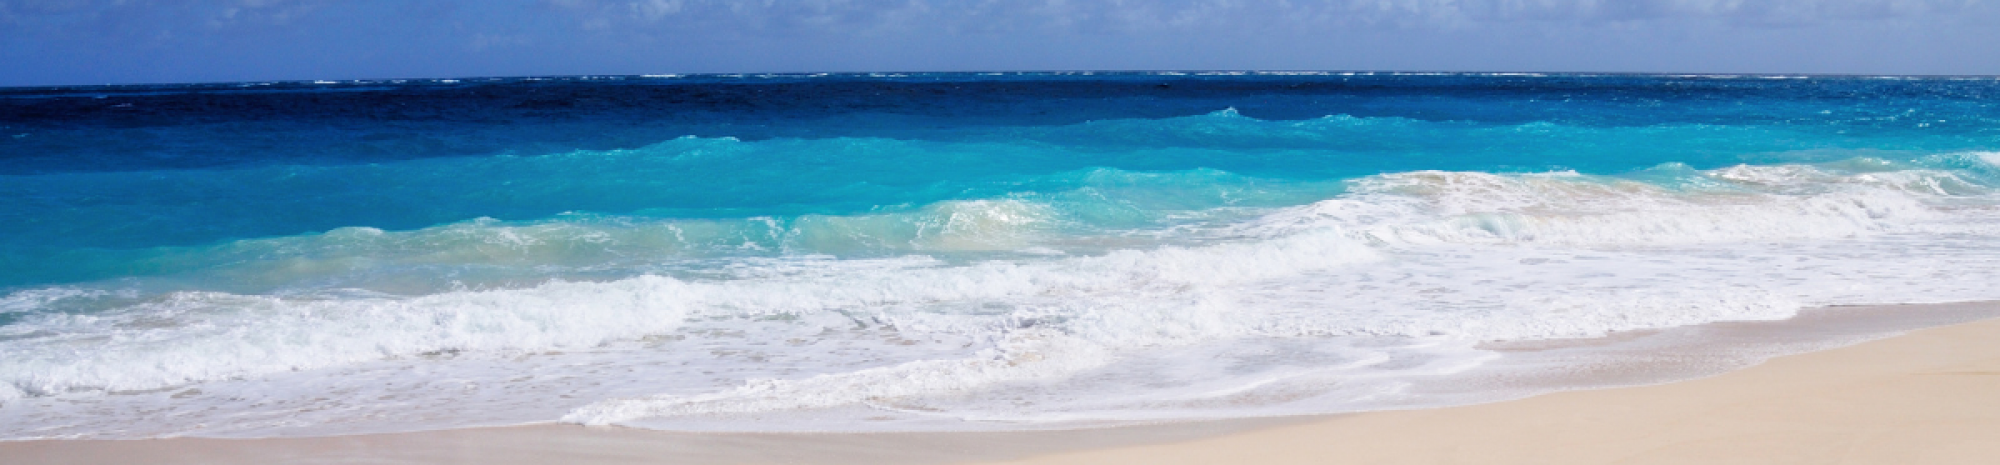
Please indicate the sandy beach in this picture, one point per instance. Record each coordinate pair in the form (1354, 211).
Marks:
(936, 232)
(1922, 397)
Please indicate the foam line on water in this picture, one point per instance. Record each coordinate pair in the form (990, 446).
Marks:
(195, 336)
(1407, 209)
(1456, 256)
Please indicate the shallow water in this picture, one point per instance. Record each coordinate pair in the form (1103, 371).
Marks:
(932, 252)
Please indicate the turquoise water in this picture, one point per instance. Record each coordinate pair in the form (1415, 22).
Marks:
(930, 251)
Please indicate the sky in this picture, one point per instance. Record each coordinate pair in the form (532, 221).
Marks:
(71, 42)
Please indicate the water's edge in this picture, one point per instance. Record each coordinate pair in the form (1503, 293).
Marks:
(951, 252)
(1620, 360)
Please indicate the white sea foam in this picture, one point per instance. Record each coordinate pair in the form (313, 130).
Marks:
(1748, 204)
(38, 299)
(1991, 158)
(1024, 355)
(190, 337)
(197, 336)
(1337, 305)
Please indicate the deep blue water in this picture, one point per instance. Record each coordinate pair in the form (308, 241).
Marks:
(687, 251)
(93, 171)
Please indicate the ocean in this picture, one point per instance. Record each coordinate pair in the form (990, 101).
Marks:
(934, 251)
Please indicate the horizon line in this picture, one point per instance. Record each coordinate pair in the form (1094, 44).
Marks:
(1051, 72)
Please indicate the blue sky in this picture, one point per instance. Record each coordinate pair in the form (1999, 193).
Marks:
(48, 42)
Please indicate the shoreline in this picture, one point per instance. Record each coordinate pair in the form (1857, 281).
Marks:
(1920, 397)
(1698, 389)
